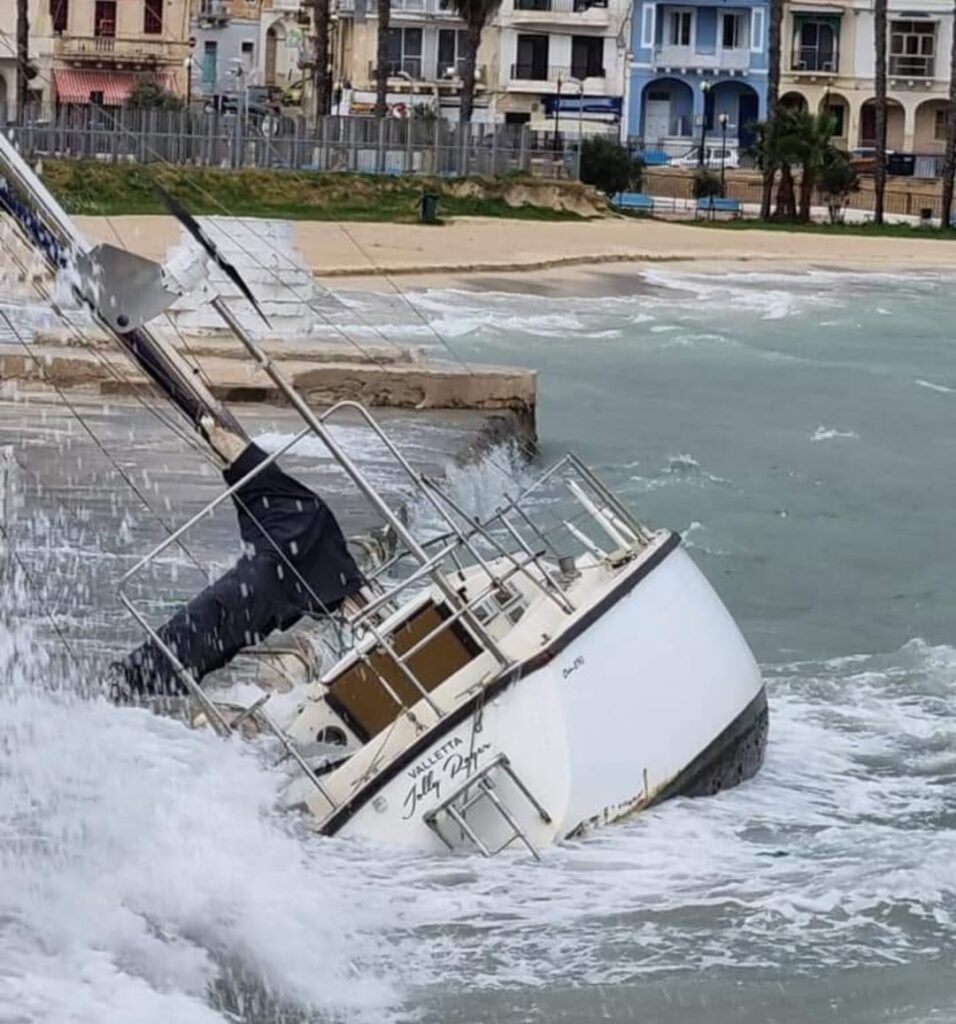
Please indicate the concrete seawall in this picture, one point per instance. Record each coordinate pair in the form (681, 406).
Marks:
(324, 375)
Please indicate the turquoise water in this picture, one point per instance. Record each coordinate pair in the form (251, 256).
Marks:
(798, 429)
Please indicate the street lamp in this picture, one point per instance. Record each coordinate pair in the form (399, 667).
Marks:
(723, 149)
(188, 65)
(579, 82)
(557, 115)
(704, 89)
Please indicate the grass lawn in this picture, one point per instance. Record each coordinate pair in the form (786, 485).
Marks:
(871, 230)
(95, 188)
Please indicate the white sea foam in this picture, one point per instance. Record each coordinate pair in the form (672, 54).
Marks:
(144, 876)
(941, 388)
(830, 433)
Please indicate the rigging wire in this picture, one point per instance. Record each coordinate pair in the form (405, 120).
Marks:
(75, 412)
(111, 368)
(48, 614)
(506, 471)
(213, 199)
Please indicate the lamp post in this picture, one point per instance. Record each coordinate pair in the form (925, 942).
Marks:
(571, 80)
(704, 90)
(723, 150)
(188, 65)
(557, 115)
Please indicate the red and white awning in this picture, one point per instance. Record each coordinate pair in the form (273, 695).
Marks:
(76, 86)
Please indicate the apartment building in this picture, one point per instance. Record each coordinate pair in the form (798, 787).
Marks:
(562, 63)
(697, 66)
(39, 57)
(426, 47)
(225, 37)
(95, 51)
(828, 63)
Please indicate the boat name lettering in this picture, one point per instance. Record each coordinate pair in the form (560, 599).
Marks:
(428, 781)
(573, 667)
(434, 757)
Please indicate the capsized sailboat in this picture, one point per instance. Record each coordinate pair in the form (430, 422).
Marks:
(504, 682)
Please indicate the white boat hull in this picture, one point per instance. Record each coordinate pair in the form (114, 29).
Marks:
(656, 694)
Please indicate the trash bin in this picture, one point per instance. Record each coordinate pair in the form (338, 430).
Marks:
(428, 208)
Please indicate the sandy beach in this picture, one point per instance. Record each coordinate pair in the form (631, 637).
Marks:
(363, 255)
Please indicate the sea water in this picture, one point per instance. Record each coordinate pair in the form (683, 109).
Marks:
(798, 430)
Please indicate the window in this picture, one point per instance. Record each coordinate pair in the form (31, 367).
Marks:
(939, 125)
(153, 17)
(815, 43)
(532, 60)
(451, 53)
(734, 34)
(104, 19)
(587, 57)
(532, 5)
(912, 48)
(838, 112)
(679, 28)
(60, 13)
(405, 52)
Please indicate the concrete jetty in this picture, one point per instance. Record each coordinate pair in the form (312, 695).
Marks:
(310, 333)
(323, 374)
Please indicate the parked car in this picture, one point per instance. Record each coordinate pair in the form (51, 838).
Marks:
(863, 158)
(258, 100)
(715, 156)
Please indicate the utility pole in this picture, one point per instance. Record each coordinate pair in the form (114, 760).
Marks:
(23, 56)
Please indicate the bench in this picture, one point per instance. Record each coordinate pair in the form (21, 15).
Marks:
(712, 205)
(654, 157)
(633, 201)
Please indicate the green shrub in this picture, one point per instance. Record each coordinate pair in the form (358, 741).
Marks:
(706, 183)
(608, 166)
(837, 179)
(150, 95)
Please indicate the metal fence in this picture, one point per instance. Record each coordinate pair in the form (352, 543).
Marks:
(265, 140)
(920, 203)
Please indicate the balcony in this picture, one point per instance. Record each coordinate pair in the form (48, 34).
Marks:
(737, 59)
(912, 66)
(532, 77)
(213, 12)
(815, 60)
(139, 50)
(411, 70)
(583, 13)
(402, 9)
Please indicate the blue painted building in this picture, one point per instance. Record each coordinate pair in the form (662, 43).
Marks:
(692, 62)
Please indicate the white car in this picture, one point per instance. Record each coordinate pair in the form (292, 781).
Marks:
(715, 157)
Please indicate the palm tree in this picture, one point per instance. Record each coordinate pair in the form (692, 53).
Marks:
(381, 59)
(773, 94)
(812, 147)
(321, 78)
(793, 137)
(476, 14)
(23, 55)
(949, 162)
(879, 174)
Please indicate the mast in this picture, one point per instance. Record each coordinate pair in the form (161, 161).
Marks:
(140, 290)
